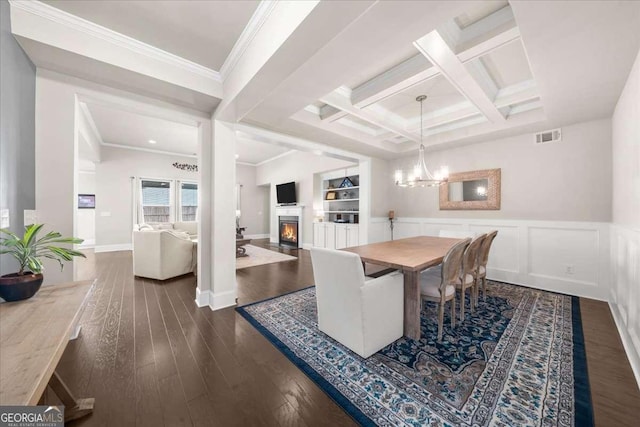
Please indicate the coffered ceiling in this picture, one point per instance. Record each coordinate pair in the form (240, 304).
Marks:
(473, 69)
(346, 74)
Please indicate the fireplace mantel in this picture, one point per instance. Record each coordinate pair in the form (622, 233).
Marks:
(292, 211)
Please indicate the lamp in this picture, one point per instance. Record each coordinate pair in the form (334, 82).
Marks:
(420, 176)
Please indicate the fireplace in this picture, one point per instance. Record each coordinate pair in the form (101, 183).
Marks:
(288, 231)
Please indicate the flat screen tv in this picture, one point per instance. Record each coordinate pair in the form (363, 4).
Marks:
(86, 201)
(286, 193)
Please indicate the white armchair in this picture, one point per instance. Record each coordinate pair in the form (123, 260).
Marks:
(364, 315)
(162, 254)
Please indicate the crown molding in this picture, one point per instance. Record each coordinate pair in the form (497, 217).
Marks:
(148, 150)
(94, 30)
(263, 11)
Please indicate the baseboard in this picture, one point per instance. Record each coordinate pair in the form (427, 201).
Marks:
(87, 244)
(627, 342)
(307, 246)
(257, 236)
(221, 300)
(202, 297)
(113, 248)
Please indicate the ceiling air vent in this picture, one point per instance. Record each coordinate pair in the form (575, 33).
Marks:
(547, 136)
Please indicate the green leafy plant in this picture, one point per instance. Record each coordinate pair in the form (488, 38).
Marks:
(28, 250)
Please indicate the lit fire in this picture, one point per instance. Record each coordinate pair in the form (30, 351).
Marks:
(288, 232)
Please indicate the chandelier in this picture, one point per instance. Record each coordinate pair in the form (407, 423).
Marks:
(420, 176)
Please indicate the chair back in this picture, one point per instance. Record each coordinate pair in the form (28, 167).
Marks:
(470, 257)
(338, 277)
(483, 254)
(457, 234)
(452, 264)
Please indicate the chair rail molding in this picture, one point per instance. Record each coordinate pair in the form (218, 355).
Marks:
(558, 256)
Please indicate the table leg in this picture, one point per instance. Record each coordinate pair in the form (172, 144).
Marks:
(411, 305)
(73, 408)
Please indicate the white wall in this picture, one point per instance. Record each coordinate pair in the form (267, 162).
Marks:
(565, 181)
(299, 167)
(114, 189)
(556, 206)
(254, 202)
(531, 253)
(625, 230)
(86, 218)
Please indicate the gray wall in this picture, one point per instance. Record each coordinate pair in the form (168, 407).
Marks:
(254, 201)
(17, 131)
(566, 181)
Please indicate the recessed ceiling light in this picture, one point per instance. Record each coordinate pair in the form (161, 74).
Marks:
(237, 156)
(152, 141)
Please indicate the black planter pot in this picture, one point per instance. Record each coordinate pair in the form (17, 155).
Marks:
(15, 287)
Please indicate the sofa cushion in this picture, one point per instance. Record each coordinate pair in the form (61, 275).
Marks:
(190, 227)
(178, 233)
(162, 226)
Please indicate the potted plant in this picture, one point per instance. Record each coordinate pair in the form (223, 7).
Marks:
(29, 250)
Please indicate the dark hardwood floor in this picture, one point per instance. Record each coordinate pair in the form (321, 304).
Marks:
(150, 357)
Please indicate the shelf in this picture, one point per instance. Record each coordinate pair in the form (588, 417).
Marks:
(341, 189)
(342, 200)
(342, 212)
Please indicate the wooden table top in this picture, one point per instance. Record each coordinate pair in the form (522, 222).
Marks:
(33, 336)
(411, 254)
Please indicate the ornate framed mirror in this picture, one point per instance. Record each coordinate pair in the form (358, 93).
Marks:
(475, 190)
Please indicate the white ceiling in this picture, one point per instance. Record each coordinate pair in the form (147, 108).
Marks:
(201, 31)
(133, 130)
(254, 152)
(489, 68)
(527, 66)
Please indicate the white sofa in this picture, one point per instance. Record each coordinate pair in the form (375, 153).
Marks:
(163, 251)
(364, 315)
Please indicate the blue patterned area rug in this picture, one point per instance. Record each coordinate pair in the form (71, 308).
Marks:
(519, 360)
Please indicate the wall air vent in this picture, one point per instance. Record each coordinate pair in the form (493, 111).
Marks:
(547, 136)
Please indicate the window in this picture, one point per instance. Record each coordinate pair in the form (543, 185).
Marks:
(188, 201)
(156, 201)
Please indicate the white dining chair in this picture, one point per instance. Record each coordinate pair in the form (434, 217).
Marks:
(364, 315)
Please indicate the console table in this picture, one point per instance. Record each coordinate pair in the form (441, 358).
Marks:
(33, 336)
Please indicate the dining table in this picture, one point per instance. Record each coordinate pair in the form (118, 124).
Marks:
(410, 256)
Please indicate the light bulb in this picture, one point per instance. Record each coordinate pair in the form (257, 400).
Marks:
(417, 171)
(444, 172)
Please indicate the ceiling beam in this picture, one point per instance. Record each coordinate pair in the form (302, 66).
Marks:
(330, 113)
(486, 35)
(396, 79)
(438, 52)
(342, 102)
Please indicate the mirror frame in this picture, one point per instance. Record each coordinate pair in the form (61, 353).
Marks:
(493, 176)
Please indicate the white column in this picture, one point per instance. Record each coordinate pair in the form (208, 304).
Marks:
(223, 260)
(205, 193)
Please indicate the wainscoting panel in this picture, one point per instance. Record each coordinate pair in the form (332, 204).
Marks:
(558, 256)
(504, 250)
(625, 290)
(564, 254)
